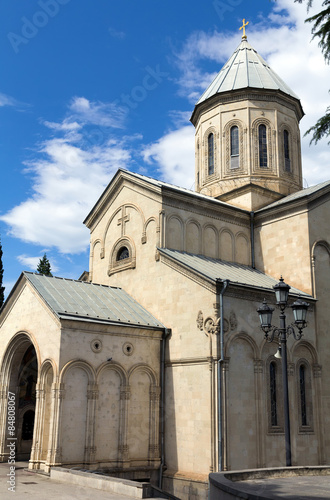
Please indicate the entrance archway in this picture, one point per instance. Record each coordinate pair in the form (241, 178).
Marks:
(19, 374)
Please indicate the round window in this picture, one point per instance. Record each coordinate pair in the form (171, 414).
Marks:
(96, 345)
(128, 349)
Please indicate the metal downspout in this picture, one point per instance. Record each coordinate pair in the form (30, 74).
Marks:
(166, 333)
(221, 293)
(252, 239)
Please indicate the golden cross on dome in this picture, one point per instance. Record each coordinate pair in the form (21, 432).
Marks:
(244, 37)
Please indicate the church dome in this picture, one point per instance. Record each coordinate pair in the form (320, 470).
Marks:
(247, 139)
(246, 69)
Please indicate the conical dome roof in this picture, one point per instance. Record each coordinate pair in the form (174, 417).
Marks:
(245, 69)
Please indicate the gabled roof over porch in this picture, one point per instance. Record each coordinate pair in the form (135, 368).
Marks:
(83, 301)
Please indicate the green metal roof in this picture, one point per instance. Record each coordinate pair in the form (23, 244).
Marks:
(79, 300)
(297, 195)
(246, 68)
(214, 269)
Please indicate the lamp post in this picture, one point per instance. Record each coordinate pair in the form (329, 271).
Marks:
(265, 312)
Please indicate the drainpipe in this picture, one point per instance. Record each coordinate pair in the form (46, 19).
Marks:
(221, 292)
(166, 333)
(252, 239)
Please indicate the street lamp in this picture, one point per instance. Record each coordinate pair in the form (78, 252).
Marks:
(265, 312)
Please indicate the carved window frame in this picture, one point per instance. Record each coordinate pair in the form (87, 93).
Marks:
(233, 172)
(289, 173)
(209, 177)
(115, 265)
(255, 141)
(308, 427)
(279, 428)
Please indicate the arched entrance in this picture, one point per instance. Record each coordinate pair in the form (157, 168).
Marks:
(26, 402)
(19, 374)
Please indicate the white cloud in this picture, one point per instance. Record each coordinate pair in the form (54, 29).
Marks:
(175, 156)
(6, 100)
(97, 113)
(69, 174)
(287, 46)
(120, 35)
(31, 263)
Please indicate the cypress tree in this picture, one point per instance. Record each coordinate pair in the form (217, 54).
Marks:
(44, 266)
(321, 30)
(2, 288)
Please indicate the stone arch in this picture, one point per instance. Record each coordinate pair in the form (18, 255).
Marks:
(145, 369)
(123, 208)
(226, 133)
(242, 404)
(227, 245)
(193, 237)
(292, 148)
(174, 232)
(268, 356)
(20, 368)
(143, 414)
(146, 225)
(110, 413)
(97, 242)
(46, 364)
(78, 363)
(247, 338)
(304, 344)
(305, 401)
(115, 264)
(255, 145)
(210, 241)
(77, 378)
(48, 376)
(207, 133)
(242, 249)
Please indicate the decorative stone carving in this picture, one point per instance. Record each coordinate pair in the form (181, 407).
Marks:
(200, 320)
(317, 371)
(233, 320)
(211, 325)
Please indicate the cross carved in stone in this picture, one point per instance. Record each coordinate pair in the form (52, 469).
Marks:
(122, 220)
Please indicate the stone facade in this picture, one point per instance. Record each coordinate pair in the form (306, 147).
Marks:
(221, 383)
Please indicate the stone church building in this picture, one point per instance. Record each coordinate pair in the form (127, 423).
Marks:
(154, 364)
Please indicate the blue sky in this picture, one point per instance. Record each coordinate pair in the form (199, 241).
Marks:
(88, 87)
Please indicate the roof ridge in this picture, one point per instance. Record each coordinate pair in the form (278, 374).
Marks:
(70, 279)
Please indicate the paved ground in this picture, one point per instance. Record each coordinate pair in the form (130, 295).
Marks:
(297, 483)
(30, 485)
(291, 488)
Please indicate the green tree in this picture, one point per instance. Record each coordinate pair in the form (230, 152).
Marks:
(44, 266)
(2, 288)
(321, 30)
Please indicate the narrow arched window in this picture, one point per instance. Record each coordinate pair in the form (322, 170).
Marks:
(262, 146)
(272, 388)
(234, 147)
(302, 386)
(210, 152)
(287, 162)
